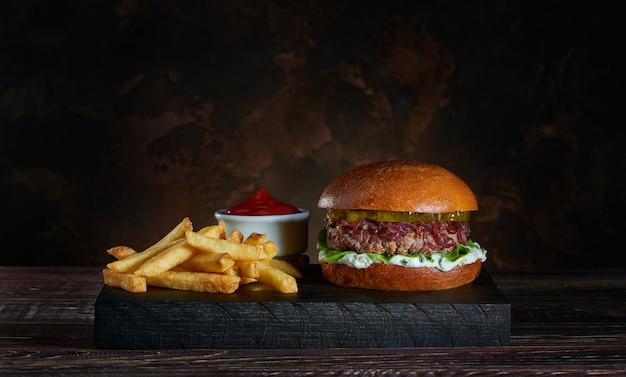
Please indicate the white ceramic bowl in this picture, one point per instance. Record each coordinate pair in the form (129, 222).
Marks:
(289, 232)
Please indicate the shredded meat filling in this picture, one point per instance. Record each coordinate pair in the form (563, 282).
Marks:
(365, 236)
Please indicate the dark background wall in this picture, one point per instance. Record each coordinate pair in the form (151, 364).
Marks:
(119, 118)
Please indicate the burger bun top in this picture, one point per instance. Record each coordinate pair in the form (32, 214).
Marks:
(399, 185)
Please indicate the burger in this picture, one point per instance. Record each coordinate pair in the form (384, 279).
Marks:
(398, 226)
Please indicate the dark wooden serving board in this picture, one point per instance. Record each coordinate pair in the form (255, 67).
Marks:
(320, 315)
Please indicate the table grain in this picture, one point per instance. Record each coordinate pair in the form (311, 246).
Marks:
(563, 323)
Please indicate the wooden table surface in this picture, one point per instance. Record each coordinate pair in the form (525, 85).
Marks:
(563, 323)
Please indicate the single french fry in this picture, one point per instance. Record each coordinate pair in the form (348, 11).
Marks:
(255, 239)
(212, 231)
(247, 280)
(248, 269)
(121, 252)
(285, 267)
(176, 233)
(128, 282)
(221, 225)
(208, 262)
(232, 271)
(196, 281)
(132, 262)
(270, 249)
(166, 260)
(237, 251)
(277, 279)
(180, 269)
(235, 236)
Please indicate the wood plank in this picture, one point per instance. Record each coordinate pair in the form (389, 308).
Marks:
(502, 361)
(321, 315)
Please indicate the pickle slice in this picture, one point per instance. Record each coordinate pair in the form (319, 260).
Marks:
(395, 217)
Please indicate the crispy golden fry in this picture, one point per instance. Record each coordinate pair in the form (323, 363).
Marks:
(259, 239)
(255, 239)
(235, 236)
(247, 280)
(121, 252)
(166, 260)
(237, 251)
(285, 267)
(221, 225)
(209, 262)
(128, 282)
(132, 262)
(270, 249)
(277, 279)
(212, 231)
(232, 271)
(196, 281)
(248, 269)
(179, 268)
(175, 234)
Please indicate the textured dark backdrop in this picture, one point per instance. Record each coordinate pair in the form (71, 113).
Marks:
(119, 118)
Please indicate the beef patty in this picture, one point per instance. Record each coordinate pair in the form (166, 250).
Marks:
(366, 236)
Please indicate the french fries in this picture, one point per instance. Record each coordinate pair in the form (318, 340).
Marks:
(235, 236)
(128, 282)
(255, 238)
(237, 251)
(212, 231)
(277, 279)
(132, 262)
(207, 260)
(285, 267)
(196, 281)
(166, 260)
(248, 269)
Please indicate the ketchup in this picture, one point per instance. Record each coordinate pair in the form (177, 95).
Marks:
(261, 203)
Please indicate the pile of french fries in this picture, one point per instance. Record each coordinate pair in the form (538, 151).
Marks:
(206, 260)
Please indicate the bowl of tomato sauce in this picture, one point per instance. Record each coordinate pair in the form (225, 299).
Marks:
(285, 224)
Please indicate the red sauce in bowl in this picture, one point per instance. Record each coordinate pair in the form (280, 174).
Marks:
(261, 203)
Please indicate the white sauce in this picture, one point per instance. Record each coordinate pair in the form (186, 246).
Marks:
(359, 261)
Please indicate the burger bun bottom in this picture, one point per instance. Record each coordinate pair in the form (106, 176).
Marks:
(389, 277)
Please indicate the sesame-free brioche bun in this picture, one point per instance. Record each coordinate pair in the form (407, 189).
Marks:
(400, 186)
(405, 186)
(389, 277)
